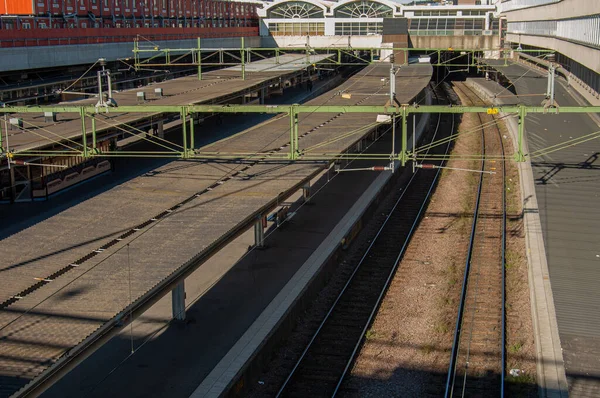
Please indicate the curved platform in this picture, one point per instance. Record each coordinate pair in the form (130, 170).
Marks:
(567, 190)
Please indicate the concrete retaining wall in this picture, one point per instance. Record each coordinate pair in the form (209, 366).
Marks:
(24, 58)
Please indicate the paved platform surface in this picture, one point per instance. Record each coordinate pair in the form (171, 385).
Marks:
(130, 238)
(215, 87)
(568, 193)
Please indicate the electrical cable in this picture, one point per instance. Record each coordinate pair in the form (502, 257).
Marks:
(81, 77)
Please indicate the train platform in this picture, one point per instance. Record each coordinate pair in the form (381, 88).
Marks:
(569, 211)
(69, 281)
(218, 86)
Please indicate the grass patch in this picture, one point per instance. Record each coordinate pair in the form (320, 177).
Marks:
(516, 347)
(512, 259)
(523, 378)
(441, 327)
(371, 334)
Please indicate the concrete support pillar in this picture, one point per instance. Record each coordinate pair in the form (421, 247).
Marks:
(306, 192)
(160, 129)
(359, 146)
(13, 185)
(178, 301)
(262, 95)
(259, 233)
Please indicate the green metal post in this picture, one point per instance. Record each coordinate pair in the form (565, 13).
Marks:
(243, 60)
(339, 57)
(277, 56)
(199, 61)
(192, 142)
(520, 156)
(94, 133)
(168, 56)
(371, 55)
(83, 132)
(183, 115)
(404, 154)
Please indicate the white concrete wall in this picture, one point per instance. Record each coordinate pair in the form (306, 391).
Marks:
(328, 41)
(585, 55)
(23, 58)
(582, 54)
(561, 10)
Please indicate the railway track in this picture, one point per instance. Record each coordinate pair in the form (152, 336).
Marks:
(477, 361)
(322, 366)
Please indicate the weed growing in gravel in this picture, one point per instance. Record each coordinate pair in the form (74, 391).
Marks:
(523, 378)
(516, 347)
(510, 259)
(427, 348)
(441, 327)
(370, 334)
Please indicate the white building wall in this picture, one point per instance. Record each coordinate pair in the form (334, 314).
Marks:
(550, 9)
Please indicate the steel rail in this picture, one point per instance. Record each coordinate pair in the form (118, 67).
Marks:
(393, 271)
(457, 329)
(350, 279)
(457, 333)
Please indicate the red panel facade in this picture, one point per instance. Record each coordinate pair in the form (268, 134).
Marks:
(17, 7)
(127, 14)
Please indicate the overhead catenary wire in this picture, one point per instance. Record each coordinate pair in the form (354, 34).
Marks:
(82, 76)
(154, 139)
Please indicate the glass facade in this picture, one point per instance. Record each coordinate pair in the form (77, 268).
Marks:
(448, 26)
(358, 28)
(297, 28)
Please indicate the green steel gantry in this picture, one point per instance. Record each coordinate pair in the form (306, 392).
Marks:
(145, 57)
(90, 149)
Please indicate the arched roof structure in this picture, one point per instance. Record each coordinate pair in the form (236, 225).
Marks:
(365, 9)
(297, 9)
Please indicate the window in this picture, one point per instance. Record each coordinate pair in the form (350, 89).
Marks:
(358, 28)
(297, 28)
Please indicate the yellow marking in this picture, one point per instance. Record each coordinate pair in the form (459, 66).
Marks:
(346, 96)
(492, 111)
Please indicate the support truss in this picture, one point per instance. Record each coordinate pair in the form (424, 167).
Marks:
(340, 56)
(88, 147)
